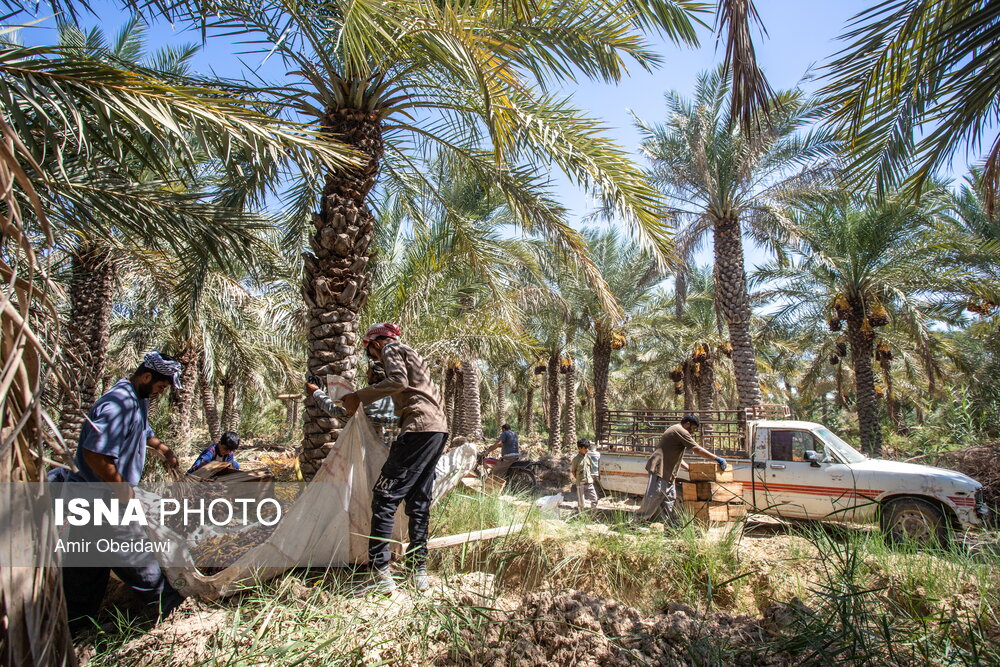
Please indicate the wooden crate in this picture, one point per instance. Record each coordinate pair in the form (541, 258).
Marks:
(722, 492)
(708, 471)
(711, 511)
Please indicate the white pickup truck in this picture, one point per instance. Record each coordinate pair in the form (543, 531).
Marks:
(801, 470)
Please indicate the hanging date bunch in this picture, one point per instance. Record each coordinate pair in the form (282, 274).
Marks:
(566, 365)
(883, 352)
(841, 309)
(878, 317)
(677, 375)
(618, 340)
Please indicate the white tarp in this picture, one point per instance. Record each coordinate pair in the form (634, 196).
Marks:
(328, 526)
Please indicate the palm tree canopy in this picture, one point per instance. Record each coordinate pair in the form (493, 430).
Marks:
(711, 170)
(916, 82)
(445, 78)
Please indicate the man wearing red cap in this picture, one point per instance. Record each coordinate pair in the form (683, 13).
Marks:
(408, 473)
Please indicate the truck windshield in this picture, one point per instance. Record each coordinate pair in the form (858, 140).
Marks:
(844, 451)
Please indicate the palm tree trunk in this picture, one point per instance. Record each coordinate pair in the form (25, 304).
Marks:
(602, 362)
(91, 297)
(553, 402)
(501, 403)
(680, 291)
(690, 390)
(471, 407)
(529, 407)
(458, 412)
(862, 348)
(569, 411)
(449, 396)
(208, 404)
(731, 290)
(336, 283)
(183, 399)
(706, 386)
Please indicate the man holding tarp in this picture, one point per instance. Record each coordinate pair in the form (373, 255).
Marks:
(408, 473)
(112, 449)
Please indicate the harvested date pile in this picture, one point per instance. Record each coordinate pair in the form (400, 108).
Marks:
(221, 551)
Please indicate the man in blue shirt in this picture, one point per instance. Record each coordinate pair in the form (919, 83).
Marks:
(112, 448)
(223, 451)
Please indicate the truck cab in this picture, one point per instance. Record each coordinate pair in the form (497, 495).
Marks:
(802, 470)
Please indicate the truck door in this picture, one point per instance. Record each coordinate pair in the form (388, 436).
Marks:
(755, 490)
(807, 489)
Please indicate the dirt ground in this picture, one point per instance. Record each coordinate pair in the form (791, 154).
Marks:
(481, 614)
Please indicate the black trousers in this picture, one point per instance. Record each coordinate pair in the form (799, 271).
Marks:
(407, 476)
(84, 587)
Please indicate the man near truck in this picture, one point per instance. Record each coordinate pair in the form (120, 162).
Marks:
(408, 473)
(662, 466)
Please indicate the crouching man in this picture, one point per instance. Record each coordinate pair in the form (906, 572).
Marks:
(662, 466)
(112, 449)
(408, 473)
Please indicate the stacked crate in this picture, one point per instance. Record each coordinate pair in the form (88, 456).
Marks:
(711, 494)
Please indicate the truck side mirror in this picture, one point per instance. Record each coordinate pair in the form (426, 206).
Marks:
(814, 457)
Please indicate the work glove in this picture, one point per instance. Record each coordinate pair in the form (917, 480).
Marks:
(723, 466)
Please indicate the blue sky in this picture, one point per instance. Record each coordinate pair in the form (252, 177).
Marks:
(801, 35)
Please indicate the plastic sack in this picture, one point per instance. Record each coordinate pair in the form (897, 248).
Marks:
(329, 524)
(549, 505)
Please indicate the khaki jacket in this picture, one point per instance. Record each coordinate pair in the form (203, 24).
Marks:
(415, 396)
(666, 458)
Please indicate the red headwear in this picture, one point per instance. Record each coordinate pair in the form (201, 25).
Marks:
(381, 329)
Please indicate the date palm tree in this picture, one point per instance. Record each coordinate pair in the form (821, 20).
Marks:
(72, 127)
(630, 273)
(393, 80)
(868, 263)
(730, 182)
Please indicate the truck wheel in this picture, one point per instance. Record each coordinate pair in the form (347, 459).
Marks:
(914, 520)
(520, 480)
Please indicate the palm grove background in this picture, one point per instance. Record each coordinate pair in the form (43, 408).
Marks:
(400, 172)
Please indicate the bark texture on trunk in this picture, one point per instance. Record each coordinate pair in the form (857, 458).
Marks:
(569, 410)
(91, 295)
(183, 399)
(602, 362)
(731, 291)
(459, 391)
(529, 407)
(680, 292)
(208, 404)
(336, 281)
(501, 403)
(862, 349)
(706, 385)
(690, 386)
(553, 402)
(472, 421)
(449, 396)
